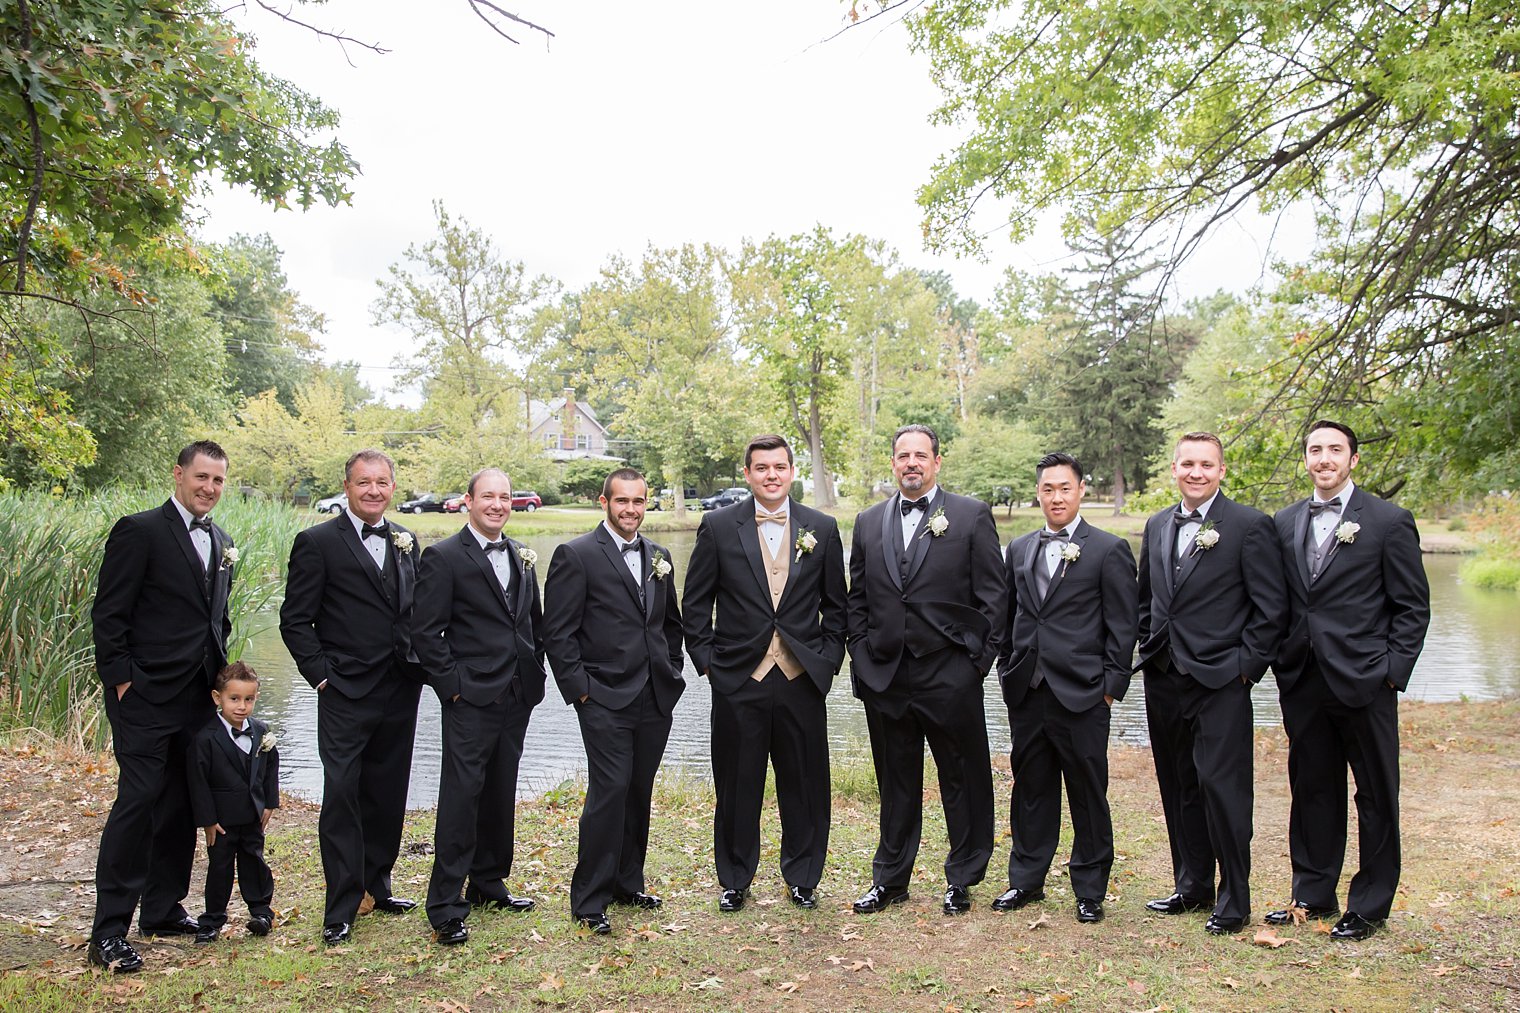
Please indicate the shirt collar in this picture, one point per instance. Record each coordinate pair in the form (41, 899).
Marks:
(618, 539)
(1070, 529)
(926, 498)
(185, 515)
(481, 539)
(1203, 508)
(228, 725)
(785, 509)
(1344, 494)
(359, 523)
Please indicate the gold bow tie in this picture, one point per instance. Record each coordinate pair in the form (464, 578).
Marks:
(765, 516)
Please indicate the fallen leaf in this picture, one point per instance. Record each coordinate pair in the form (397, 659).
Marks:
(863, 965)
(551, 981)
(1229, 983)
(705, 985)
(788, 987)
(1442, 970)
(1268, 938)
(845, 935)
(1356, 972)
(1137, 987)
(761, 972)
(1041, 921)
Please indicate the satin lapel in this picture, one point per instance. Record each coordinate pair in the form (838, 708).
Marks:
(181, 535)
(1058, 579)
(749, 540)
(519, 575)
(229, 747)
(794, 529)
(1026, 571)
(1160, 559)
(615, 558)
(891, 539)
(216, 587)
(1301, 541)
(255, 757)
(349, 537)
(922, 535)
(406, 578)
(478, 557)
(1348, 516)
(1194, 554)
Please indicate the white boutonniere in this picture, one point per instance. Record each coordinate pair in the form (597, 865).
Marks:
(1207, 537)
(229, 557)
(1071, 552)
(528, 556)
(806, 543)
(938, 523)
(402, 540)
(1346, 533)
(268, 742)
(659, 565)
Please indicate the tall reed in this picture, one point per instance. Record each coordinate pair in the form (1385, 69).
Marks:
(50, 549)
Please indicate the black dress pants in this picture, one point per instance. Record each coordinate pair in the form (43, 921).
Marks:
(241, 847)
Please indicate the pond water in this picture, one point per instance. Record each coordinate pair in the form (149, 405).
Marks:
(1472, 650)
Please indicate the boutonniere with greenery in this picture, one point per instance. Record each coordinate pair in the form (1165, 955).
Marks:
(659, 565)
(268, 742)
(402, 540)
(1207, 537)
(938, 523)
(1346, 533)
(528, 557)
(229, 557)
(806, 543)
(1071, 552)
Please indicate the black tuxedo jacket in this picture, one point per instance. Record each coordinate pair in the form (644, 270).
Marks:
(1364, 619)
(1229, 609)
(600, 641)
(158, 622)
(1082, 635)
(339, 620)
(955, 594)
(228, 786)
(727, 569)
(468, 643)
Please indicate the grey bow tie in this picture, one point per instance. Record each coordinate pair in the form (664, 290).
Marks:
(1317, 507)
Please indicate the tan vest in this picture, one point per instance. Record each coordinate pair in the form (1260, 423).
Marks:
(776, 570)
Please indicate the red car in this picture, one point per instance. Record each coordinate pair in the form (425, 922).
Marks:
(528, 501)
(453, 504)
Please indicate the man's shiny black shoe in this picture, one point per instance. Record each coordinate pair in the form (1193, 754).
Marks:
(1089, 910)
(520, 905)
(647, 901)
(452, 932)
(394, 905)
(1177, 904)
(1013, 898)
(597, 924)
(730, 901)
(207, 936)
(1285, 916)
(259, 925)
(802, 896)
(879, 898)
(336, 933)
(1220, 925)
(115, 954)
(185, 926)
(1353, 927)
(957, 900)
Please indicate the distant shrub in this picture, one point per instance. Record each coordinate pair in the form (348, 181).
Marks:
(1498, 572)
(1457, 524)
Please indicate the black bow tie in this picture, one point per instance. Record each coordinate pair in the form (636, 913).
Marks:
(1054, 536)
(245, 732)
(910, 505)
(1317, 507)
(380, 529)
(1182, 517)
(634, 546)
(498, 546)
(204, 523)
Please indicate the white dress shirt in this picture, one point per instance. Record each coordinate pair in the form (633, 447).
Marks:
(374, 544)
(199, 537)
(243, 742)
(1053, 548)
(910, 519)
(632, 560)
(498, 560)
(1187, 532)
(1329, 519)
(774, 531)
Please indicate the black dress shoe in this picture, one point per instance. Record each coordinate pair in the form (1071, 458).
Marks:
(259, 925)
(521, 905)
(1353, 927)
(1285, 916)
(336, 933)
(207, 935)
(115, 954)
(185, 926)
(1013, 898)
(598, 924)
(957, 900)
(1177, 904)
(452, 932)
(640, 899)
(802, 896)
(394, 905)
(1089, 910)
(732, 900)
(1219, 925)
(879, 898)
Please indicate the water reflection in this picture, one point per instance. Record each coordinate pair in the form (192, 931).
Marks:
(1473, 650)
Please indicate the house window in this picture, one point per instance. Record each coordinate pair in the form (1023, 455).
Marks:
(582, 441)
(551, 440)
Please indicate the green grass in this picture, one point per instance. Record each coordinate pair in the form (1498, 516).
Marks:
(1501, 573)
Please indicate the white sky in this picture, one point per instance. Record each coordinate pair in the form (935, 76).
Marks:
(658, 123)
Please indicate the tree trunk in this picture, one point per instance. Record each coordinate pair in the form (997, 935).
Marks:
(1118, 485)
(678, 493)
(823, 482)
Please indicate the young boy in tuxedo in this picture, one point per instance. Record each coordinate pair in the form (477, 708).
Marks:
(234, 772)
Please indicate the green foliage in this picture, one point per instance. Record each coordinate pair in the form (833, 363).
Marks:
(583, 478)
(1498, 573)
(283, 452)
(267, 329)
(992, 460)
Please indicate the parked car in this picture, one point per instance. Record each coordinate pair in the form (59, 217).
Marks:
(332, 504)
(453, 504)
(666, 500)
(428, 502)
(725, 497)
(526, 500)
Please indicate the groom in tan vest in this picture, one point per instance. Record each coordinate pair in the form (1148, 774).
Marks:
(774, 570)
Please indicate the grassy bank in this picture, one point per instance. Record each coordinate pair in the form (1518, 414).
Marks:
(1450, 944)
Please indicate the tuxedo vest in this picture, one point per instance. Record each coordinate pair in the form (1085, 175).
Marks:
(777, 568)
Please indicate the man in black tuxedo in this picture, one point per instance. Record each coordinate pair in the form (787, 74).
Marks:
(1359, 609)
(1064, 659)
(346, 621)
(775, 571)
(613, 635)
(927, 601)
(161, 627)
(1213, 608)
(478, 632)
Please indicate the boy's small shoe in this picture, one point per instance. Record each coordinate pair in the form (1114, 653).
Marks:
(206, 935)
(259, 925)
